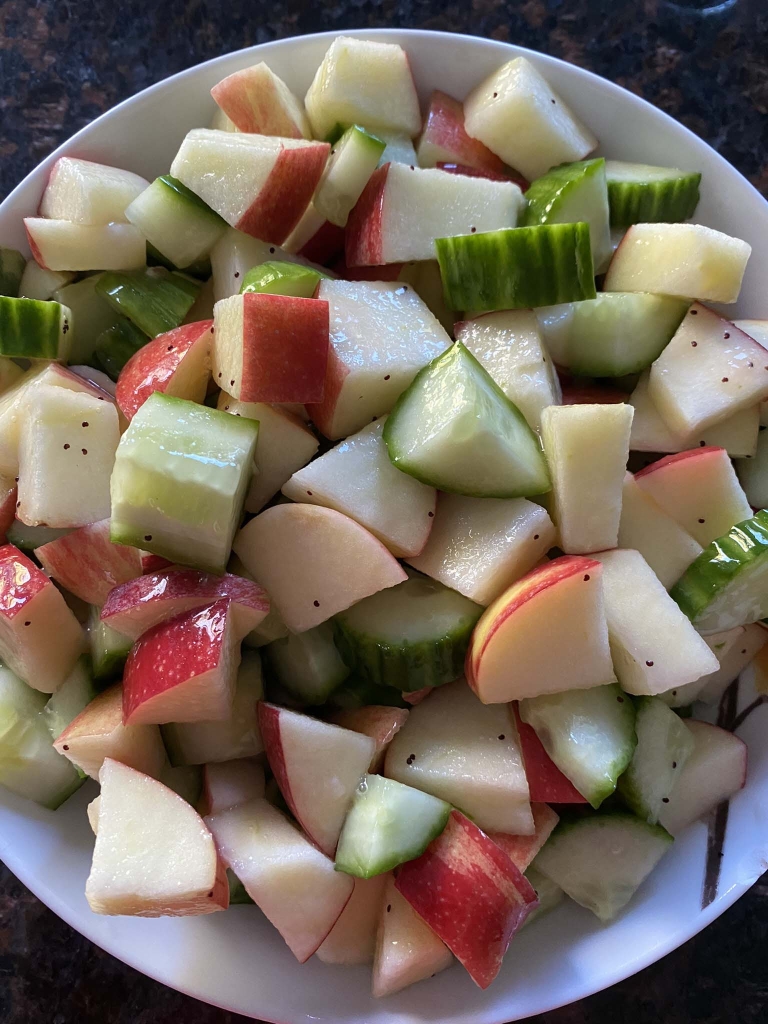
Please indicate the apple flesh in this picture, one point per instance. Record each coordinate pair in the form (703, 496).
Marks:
(296, 551)
(271, 348)
(546, 782)
(382, 724)
(699, 489)
(352, 940)
(381, 335)
(154, 856)
(383, 229)
(522, 849)
(98, 733)
(236, 253)
(479, 546)
(259, 184)
(515, 652)
(40, 638)
(733, 661)
(230, 783)
(183, 670)
(446, 732)
(88, 564)
(471, 894)
(177, 363)
(255, 100)
(289, 879)
(85, 192)
(62, 245)
(317, 766)
(135, 607)
(445, 139)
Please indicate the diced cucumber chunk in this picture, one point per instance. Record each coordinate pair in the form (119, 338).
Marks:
(353, 160)
(33, 329)
(398, 149)
(27, 538)
(601, 860)
(181, 474)
(642, 194)
(308, 664)
(279, 278)
(409, 636)
(175, 221)
(663, 746)
(91, 315)
(571, 193)
(115, 346)
(11, 269)
(753, 473)
(388, 824)
(201, 268)
(589, 734)
(154, 300)
(29, 765)
(238, 736)
(727, 585)
(75, 693)
(517, 268)
(612, 335)
(237, 893)
(109, 649)
(455, 429)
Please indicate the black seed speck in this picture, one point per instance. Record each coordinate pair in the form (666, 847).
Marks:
(237, 273)
(27, 623)
(674, 764)
(66, 446)
(702, 444)
(309, 493)
(694, 344)
(473, 229)
(18, 504)
(726, 335)
(674, 693)
(219, 376)
(84, 423)
(412, 167)
(388, 376)
(501, 736)
(495, 95)
(665, 799)
(744, 651)
(148, 537)
(586, 578)
(316, 604)
(389, 907)
(65, 747)
(750, 365)
(210, 894)
(694, 312)
(431, 515)
(231, 382)
(724, 380)
(84, 451)
(702, 521)
(649, 664)
(620, 700)
(271, 248)
(535, 536)
(170, 348)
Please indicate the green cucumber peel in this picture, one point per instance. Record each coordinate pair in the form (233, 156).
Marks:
(644, 194)
(116, 345)
(153, 300)
(277, 277)
(34, 329)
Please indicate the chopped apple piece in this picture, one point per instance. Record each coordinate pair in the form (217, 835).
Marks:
(751, 640)
(516, 630)
(231, 783)
(62, 245)
(85, 192)
(295, 552)
(382, 724)
(88, 564)
(445, 139)
(154, 856)
(352, 939)
(545, 780)
(522, 849)
(255, 100)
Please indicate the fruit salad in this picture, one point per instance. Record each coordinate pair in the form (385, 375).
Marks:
(382, 505)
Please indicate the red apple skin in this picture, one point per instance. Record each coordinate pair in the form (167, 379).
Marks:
(670, 460)
(20, 581)
(363, 246)
(473, 172)
(88, 564)
(7, 510)
(146, 601)
(444, 127)
(522, 849)
(153, 366)
(528, 587)
(37, 255)
(321, 413)
(380, 723)
(285, 349)
(589, 394)
(325, 246)
(153, 563)
(384, 272)
(417, 696)
(470, 894)
(171, 655)
(269, 726)
(286, 194)
(246, 103)
(546, 782)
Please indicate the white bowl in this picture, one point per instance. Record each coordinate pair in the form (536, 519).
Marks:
(236, 960)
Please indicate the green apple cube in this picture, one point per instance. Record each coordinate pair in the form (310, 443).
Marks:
(33, 329)
(181, 475)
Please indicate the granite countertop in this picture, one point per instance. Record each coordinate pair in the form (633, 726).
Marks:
(64, 62)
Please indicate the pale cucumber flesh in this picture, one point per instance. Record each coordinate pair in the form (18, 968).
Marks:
(308, 664)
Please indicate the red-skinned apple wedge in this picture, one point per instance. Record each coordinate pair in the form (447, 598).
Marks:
(255, 100)
(289, 879)
(40, 638)
(271, 348)
(88, 564)
(183, 670)
(142, 603)
(177, 363)
(230, 783)
(380, 723)
(317, 767)
(522, 849)
(546, 633)
(470, 894)
(353, 938)
(444, 138)
(545, 780)
(153, 857)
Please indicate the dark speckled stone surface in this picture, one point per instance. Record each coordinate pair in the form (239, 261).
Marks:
(63, 63)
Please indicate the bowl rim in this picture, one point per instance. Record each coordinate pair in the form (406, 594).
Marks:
(15, 864)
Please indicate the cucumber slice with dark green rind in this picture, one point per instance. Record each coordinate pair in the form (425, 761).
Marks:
(571, 193)
(109, 649)
(153, 300)
(410, 636)
(589, 734)
(517, 268)
(388, 824)
(357, 692)
(116, 345)
(12, 265)
(27, 538)
(280, 278)
(29, 764)
(34, 329)
(308, 664)
(663, 746)
(643, 194)
(612, 335)
(454, 428)
(190, 198)
(600, 860)
(727, 585)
